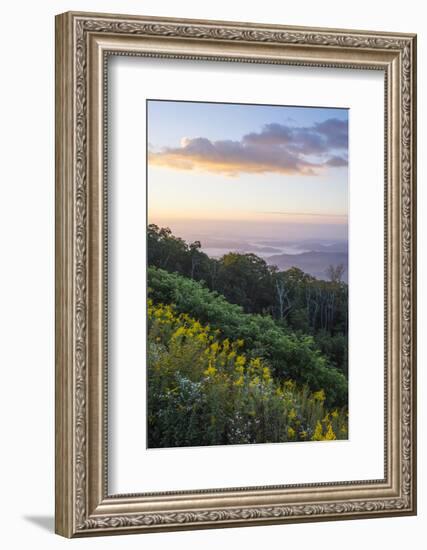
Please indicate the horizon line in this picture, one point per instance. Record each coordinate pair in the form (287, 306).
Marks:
(277, 218)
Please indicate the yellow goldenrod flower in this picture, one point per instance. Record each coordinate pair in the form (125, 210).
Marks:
(266, 374)
(318, 432)
(214, 347)
(240, 361)
(239, 381)
(210, 371)
(319, 395)
(329, 436)
(289, 385)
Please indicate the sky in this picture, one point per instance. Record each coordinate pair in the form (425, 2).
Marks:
(248, 171)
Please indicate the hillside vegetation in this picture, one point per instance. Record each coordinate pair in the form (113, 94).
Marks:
(244, 353)
(289, 355)
(205, 390)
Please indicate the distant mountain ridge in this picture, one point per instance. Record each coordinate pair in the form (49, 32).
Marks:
(314, 262)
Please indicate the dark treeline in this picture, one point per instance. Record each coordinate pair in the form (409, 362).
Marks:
(294, 299)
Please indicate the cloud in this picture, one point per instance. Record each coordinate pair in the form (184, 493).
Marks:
(336, 162)
(277, 148)
(321, 138)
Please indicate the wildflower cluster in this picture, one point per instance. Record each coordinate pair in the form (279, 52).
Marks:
(204, 389)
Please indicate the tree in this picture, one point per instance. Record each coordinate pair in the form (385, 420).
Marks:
(175, 255)
(195, 256)
(282, 292)
(246, 279)
(335, 273)
(165, 250)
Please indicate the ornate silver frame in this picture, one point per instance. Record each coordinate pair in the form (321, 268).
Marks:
(83, 42)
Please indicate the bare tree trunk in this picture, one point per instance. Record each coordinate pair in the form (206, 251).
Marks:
(283, 297)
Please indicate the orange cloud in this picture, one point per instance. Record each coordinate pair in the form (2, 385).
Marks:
(276, 149)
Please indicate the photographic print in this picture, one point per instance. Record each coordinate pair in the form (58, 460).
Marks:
(247, 274)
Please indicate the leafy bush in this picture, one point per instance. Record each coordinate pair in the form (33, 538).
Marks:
(334, 348)
(205, 390)
(289, 355)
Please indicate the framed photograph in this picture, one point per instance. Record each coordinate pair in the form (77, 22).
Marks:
(235, 274)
